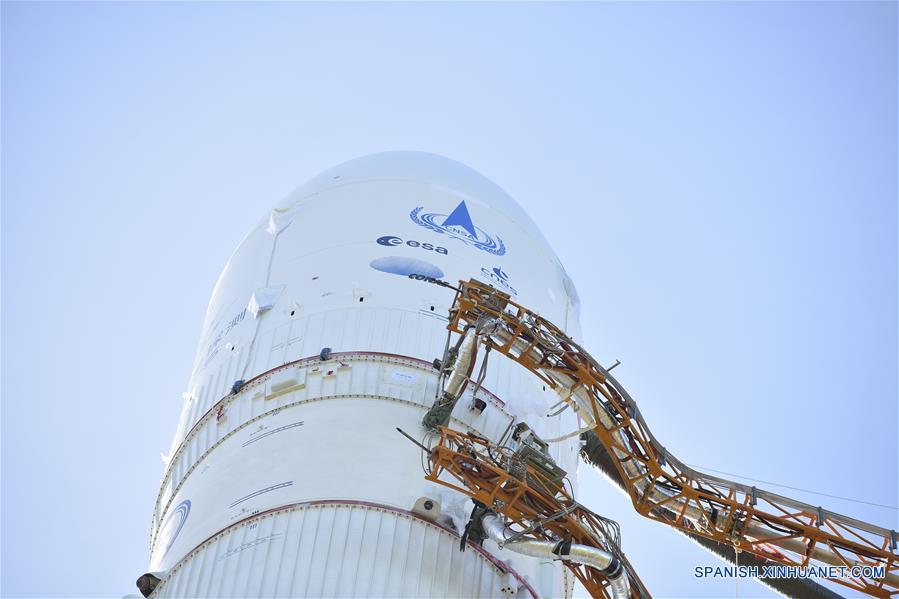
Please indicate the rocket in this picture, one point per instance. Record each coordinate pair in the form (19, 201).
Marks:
(324, 334)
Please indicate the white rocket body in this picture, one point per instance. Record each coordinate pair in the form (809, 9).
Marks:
(297, 483)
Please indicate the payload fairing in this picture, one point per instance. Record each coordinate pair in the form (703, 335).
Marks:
(287, 476)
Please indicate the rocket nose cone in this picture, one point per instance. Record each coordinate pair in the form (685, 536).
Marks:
(421, 167)
(439, 172)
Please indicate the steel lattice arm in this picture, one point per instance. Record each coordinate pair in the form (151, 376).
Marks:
(780, 529)
(535, 505)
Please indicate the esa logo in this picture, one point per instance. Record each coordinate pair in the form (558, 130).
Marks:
(498, 276)
(390, 240)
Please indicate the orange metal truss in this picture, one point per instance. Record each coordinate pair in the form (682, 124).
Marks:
(482, 471)
(660, 486)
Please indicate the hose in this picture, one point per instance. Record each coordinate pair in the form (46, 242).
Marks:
(596, 558)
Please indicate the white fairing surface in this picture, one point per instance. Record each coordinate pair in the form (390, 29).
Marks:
(307, 439)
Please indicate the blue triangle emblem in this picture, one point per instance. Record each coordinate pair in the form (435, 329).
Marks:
(461, 218)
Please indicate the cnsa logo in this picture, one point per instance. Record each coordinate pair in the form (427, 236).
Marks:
(390, 240)
(458, 225)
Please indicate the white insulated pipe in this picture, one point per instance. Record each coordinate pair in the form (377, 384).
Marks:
(441, 412)
(580, 554)
(458, 377)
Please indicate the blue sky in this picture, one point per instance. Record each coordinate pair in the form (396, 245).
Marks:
(718, 178)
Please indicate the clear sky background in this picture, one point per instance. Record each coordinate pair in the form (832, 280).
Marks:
(718, 178)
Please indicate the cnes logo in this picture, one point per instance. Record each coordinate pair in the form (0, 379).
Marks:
(497, 276)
